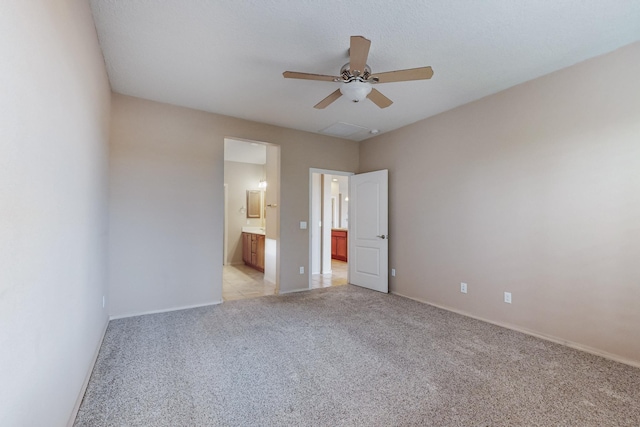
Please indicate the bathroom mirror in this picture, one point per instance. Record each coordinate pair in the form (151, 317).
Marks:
(253, 204)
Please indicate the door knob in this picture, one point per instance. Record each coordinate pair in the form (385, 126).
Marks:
(383, 236)
(275, 205)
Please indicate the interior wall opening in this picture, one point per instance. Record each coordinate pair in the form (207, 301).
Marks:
(329, 228)
(251, 180)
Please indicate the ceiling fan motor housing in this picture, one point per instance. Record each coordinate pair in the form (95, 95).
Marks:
(362, 75)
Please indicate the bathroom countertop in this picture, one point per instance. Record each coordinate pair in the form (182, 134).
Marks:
(253, 230)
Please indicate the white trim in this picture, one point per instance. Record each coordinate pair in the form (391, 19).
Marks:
(225, 248)
(566, 343)
(164, 310)
(85, 384)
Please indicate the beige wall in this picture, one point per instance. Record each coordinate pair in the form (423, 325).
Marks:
(239, 178)
(534, 190)
(166, 201)
(54, 122)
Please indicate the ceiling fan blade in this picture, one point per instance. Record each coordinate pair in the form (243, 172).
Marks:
(379, 99)
(328, 100)
(308, 76)
(358, 53)
(422, 73)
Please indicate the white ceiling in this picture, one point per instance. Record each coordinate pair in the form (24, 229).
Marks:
(227, 56)
(245, 151)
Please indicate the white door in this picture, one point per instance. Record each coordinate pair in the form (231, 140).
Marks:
(368, 230)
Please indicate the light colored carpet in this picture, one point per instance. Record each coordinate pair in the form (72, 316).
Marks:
(345, 356)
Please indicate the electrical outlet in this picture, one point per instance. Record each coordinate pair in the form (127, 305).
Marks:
(463, 288)
(393, 272)
(301, 270)
(507, 297)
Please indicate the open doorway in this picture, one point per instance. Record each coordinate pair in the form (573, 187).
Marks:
(251, 234)
(329, 228)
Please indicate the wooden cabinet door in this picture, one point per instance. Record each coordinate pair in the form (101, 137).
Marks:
(341, 248)
(334, 244)
(260, 253)
(246, 248)
(254, 242)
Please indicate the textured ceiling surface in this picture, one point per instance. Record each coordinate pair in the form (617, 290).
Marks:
(227, 56)
(245, 151)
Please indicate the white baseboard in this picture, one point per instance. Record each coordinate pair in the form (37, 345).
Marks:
(76, 407)
(164, 310)
(567, 343)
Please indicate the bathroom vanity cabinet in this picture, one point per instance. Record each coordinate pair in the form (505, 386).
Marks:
(253, 250)
(339, 244)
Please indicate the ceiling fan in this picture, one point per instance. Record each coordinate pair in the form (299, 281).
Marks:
(356, 79)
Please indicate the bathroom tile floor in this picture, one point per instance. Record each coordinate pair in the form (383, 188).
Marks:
(240, 281)
(337, 277)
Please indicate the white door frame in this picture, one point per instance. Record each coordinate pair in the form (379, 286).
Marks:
(309, 225)
(225, 252)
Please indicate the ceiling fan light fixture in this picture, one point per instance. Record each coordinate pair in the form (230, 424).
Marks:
(355, 91)
(356, 78)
